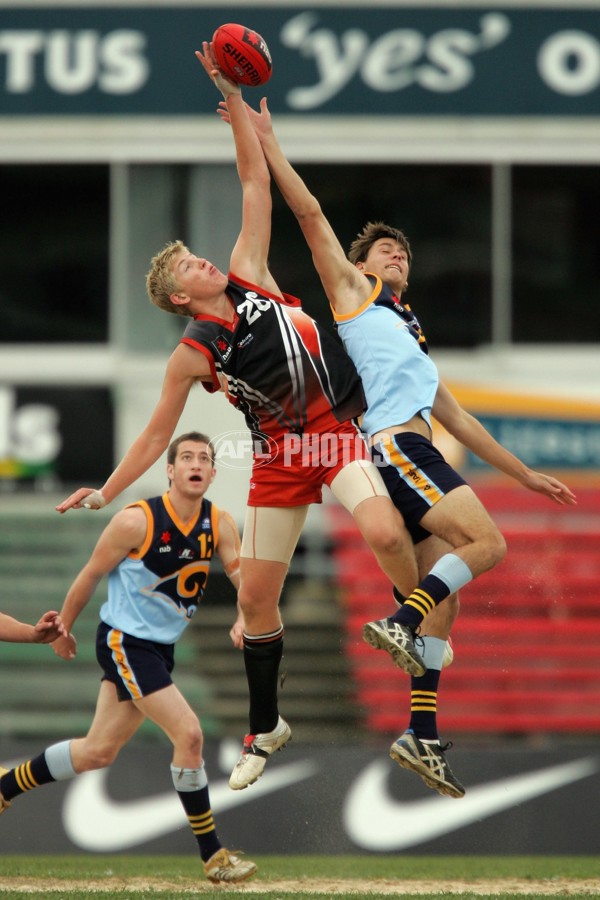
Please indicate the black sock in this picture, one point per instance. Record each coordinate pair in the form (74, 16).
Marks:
(262, 656)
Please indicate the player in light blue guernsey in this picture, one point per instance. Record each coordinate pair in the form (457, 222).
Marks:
(154, 592)
(399, 379)
(157, 555)
(455, 539)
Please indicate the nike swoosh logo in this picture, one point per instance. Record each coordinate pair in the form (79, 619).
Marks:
(94, 821)
(376, 821)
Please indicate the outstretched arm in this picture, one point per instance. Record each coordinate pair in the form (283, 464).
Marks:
(185, 366)
(249, 257)
(124, 533)
(346, 288)
(228, 548)
(471, 434)
(46, 630)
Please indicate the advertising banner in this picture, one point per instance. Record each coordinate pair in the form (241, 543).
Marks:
(50, 436)
(334, 60)
(330, 799)
(548, 433)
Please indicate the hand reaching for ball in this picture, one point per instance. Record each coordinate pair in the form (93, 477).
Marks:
(207, 59)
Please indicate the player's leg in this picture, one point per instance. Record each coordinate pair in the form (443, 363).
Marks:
(432, 496)
(169, 709)
(419, 748)
(461, 520)
(269, 540)
(359, 487)
(438, 624)
(113, 725)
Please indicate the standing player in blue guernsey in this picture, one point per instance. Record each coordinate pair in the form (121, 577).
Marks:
(157, 555)
(455, 539)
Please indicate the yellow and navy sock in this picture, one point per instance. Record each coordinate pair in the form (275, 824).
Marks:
(424, 691)
(447, 576)
(423, 705)
(192, 788)
(25, 777)
(431, 591)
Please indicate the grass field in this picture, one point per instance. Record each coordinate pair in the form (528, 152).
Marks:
(285, 877)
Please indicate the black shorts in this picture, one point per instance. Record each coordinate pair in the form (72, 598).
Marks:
(416, 476)
(136, 667)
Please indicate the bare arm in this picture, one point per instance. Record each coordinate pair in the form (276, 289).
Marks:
(346, 288)
(124, 533)
(471, 433)
(46, 630)
(249, 257)
(228, 548)
(184, 367)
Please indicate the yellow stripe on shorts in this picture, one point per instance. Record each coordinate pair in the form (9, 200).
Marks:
(115, 642)
(414, 477)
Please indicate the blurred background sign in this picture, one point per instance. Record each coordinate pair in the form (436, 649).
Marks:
(50, 436)
(546, 432)
(401, 60)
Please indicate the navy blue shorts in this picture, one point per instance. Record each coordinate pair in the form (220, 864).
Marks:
(416, 476)
(136, 667)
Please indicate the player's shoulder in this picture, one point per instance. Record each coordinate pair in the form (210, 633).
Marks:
(185, 360)
(134, 512)
(130, 523)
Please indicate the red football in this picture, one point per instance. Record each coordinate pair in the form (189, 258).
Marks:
(242, 54)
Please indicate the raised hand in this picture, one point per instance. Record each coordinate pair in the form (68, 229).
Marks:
(261, 121)
(551, 487)
(209, 64)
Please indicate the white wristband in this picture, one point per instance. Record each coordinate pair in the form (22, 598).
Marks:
(95, 500)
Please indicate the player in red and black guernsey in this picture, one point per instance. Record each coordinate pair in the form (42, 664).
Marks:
(294, 385)
(156, 554)
(304, 383)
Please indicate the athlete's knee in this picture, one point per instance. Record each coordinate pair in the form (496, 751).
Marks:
(387, 536)
(496, 547)
(439, 622)
(96, 756)
(450, 609)
(253, 602)
(246, 601)
(187, 737)
(453, 602)
(249, 599)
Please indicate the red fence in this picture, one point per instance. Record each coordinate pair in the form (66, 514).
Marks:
(527, 640)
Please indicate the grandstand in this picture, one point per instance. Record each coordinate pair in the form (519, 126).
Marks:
(526, 640)
(43, 696)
